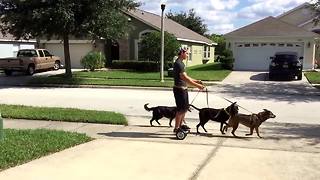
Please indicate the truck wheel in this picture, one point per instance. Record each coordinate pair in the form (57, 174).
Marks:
(56, 65)
(8, 72)
(30, 70)
(300, 76)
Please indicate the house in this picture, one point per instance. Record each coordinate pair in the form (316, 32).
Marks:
(254, 44)
(201, 49)
(9, 46)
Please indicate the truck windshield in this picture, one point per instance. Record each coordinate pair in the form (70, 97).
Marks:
(27, 53)
(285, 57)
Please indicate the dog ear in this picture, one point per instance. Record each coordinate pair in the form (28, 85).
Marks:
(266, 110)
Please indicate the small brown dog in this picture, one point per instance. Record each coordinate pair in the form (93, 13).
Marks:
(252, 121)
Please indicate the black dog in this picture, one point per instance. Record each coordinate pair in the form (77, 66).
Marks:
(159, 112)
(218, 115)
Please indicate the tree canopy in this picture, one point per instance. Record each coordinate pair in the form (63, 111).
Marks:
(189, 20)
(150, 47)
(221, 41)
(26, 19)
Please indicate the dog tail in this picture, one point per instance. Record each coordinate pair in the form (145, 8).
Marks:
(194, 107)
(146, 107)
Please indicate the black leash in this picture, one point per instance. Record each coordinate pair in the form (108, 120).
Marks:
(237, 105)
(207, 96)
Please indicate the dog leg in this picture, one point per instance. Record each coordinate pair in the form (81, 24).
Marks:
(235, 127)
(151, 122)
(198, 128)
(158, 122)
(221, 130)
(251, 132)
(257, 131)
(170, 122)
(202, 125)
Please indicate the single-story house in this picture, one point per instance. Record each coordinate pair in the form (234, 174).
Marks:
(254, 44)
(9, 46)
(201, 49)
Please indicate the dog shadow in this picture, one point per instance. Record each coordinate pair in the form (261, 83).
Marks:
(220, 136)
(309, 132)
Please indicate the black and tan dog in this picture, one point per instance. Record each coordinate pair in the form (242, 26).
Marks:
(159, 112)
(218, 115)
(252, 121)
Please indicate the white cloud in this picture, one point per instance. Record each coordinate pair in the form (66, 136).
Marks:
(223, 16)
(261, 8)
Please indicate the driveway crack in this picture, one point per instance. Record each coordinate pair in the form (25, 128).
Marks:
(213, 152)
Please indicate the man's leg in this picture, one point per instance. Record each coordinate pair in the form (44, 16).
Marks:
(179, 118)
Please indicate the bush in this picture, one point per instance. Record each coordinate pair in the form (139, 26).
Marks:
(145, 66)
(93, 60)
(226, 59)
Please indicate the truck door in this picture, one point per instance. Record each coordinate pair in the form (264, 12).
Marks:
(49, 59)
(42, 60)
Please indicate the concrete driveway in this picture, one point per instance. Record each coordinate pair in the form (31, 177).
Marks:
(258, 83)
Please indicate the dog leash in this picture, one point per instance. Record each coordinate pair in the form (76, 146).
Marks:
(207, 96)
(237, 105)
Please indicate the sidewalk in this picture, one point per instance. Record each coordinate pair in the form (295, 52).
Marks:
(138, 151)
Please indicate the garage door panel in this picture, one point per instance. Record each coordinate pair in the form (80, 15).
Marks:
(77, 52)
(248, 57)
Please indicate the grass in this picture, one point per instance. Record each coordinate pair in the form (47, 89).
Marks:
(21, 146)
(206, 72)
(61, 114)
(313, 77)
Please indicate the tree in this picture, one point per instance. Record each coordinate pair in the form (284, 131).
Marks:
(316, 8)
(190, 20)
(221, 41)
(150, 47)
(26, 19)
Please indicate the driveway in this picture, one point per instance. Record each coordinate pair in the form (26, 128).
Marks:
(258, 83)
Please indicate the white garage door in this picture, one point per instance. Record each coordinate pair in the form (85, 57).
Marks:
(256, 56)
(77, 52)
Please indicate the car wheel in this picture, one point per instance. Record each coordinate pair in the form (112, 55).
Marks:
(56, 65)
(30, 70)
(7, 72)
(271, 77)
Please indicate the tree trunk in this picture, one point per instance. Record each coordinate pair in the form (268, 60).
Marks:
(67, 55)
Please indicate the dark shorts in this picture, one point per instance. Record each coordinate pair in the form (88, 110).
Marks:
(182, 99)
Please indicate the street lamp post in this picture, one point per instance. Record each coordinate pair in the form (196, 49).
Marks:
(163, 6)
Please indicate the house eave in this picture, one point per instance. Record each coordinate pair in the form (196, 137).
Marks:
(195, 41)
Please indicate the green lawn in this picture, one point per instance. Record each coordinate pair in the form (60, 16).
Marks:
(206, 72)
(313, 77)
(21, 146)
(61, 114)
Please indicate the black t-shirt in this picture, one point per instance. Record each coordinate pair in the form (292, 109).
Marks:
(178, 68)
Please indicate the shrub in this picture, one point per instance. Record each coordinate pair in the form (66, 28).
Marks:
(93, 60)
(226, 59)
(145, 66)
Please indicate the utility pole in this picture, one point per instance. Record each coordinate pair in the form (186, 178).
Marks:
(163, 6)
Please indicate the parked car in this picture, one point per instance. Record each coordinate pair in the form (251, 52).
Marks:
(29, 61)
(286, 65)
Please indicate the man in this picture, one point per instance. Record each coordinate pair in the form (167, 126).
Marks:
(180, 90)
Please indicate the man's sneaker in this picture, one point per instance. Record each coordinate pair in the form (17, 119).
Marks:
(175, 130)
(185, 127)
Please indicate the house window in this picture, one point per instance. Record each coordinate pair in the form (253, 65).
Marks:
(240, 45)
(263, 44)
(289, 45)
(272, 44)
(206, 52)
(255, 45)
(281, 45)
(246, 45)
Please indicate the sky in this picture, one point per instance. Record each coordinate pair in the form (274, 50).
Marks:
(223, 16)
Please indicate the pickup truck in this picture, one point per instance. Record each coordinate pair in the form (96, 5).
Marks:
(29, 61)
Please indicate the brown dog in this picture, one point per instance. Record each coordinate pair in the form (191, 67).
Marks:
(252, 121)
